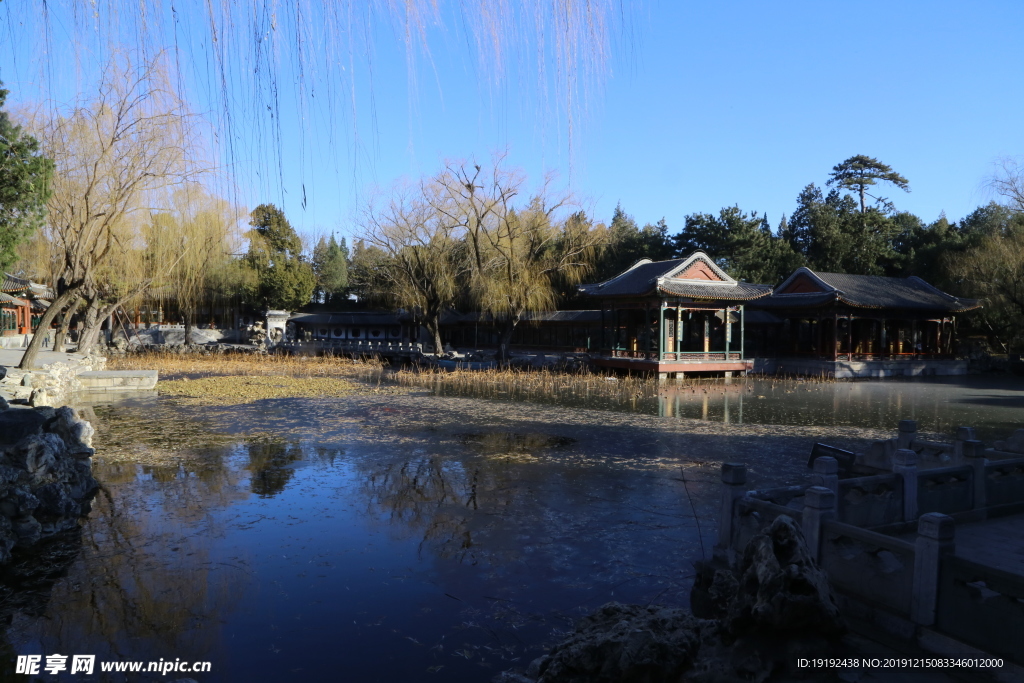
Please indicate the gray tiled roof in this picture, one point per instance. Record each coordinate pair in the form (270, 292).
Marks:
(648, 278)
(639, 280)
(13, 284)
(8, 299)
(874, 291)
(741, 291)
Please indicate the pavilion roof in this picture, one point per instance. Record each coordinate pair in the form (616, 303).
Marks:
(34, 290)
(6, 298)
(738, 291)
(696, 277)
(863, 291)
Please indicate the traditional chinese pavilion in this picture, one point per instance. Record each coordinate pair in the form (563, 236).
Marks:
(21, 303)
(674, 317)
(858, 325)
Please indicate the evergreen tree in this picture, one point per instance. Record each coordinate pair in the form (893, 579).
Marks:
(742, 244)
(24, 186)
(627, 244)
(284, 280)
(334, 277)
(861, 172)
(833, 236)
(319, 263)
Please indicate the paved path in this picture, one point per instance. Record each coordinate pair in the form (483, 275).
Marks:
(996, 542)
(11, 357)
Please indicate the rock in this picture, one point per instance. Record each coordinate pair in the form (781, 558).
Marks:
(512, 677)
(4, 405)
(41, 397)
(75, 432)
(624, 643)
(780, 587)
(7, 539)
(27, 529)
(46, 480)
(37, 454)
(15, 425)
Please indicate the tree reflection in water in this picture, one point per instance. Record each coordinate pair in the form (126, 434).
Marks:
(144, 580)
(269, 462)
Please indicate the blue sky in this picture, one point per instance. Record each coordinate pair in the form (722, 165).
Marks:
(703, 105)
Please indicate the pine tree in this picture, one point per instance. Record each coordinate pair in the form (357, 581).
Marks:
(861, 172)
(284, 280)
(24, 186)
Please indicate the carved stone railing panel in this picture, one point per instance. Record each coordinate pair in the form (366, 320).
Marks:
(1004, 482)
(982, 606)
(946, 490)
(871, 501)
(869, 565)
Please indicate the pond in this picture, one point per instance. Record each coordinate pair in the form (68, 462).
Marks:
(417, 536)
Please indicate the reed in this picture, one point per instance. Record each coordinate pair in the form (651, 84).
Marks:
(518, 383)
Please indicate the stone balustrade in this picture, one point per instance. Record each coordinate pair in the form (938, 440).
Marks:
(851, 525)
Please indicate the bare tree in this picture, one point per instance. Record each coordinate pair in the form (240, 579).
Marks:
(112, 155)
(1008, 181)
(517, 256)
(422, 254)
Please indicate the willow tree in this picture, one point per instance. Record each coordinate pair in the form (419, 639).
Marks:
(113, 153)
(256, 66)
(517, 253)
(190, 247)
(419, 264)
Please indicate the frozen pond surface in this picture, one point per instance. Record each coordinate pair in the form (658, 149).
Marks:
(420, 537)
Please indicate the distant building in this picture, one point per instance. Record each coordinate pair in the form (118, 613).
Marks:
(562, 331)
(22, 303)
(858, 325)
(355, 326)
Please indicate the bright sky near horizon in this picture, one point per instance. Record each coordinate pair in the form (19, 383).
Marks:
(705, 105)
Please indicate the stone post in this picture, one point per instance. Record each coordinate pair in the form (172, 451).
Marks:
(826, 473)
(962, 434)
(908, 432)
(904, 463)
(974, 453)
(935, 533)
(734, 480)
(819, 505)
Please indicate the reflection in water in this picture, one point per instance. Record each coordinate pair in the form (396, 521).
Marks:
(269, 461)
(940, 404)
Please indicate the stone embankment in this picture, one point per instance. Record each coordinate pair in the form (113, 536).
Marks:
(46, 481)
(52, 384)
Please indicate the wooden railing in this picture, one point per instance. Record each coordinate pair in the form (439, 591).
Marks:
(676, 355)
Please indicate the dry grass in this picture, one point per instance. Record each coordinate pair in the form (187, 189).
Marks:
(238, 378)
(233, 390)
(175, 366)
(526, 384)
